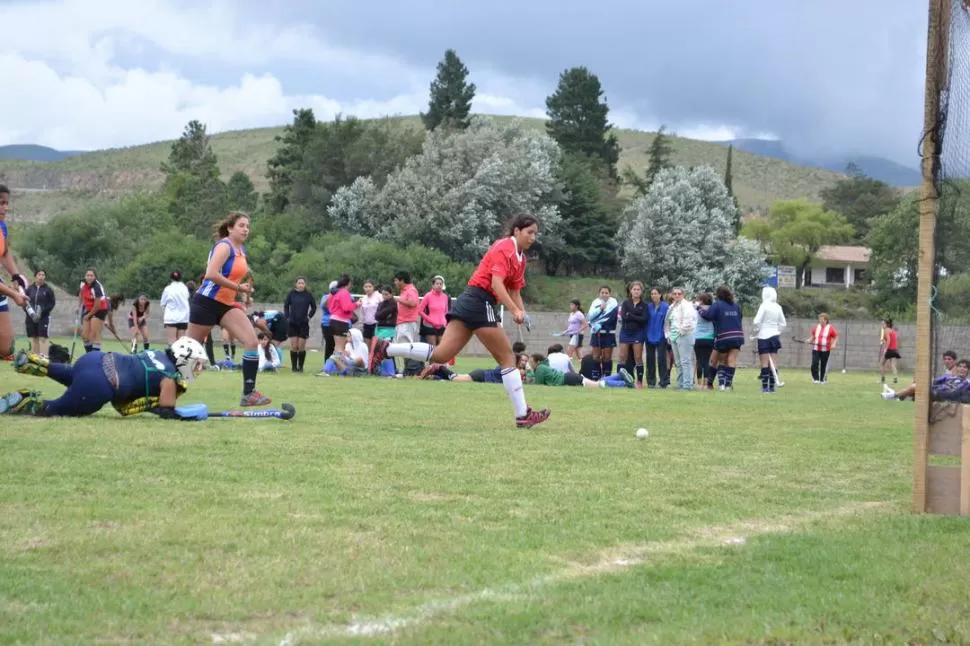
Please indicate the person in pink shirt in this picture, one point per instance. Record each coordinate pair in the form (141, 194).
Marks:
(433, 308)
(408, 300)
(342, 307)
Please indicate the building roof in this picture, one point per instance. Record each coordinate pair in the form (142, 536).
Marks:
(840, 253)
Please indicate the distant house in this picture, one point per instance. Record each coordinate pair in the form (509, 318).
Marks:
(838, 266)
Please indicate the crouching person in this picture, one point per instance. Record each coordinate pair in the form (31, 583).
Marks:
(353, 361)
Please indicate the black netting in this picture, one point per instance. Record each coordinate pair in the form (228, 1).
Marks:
(950, 321)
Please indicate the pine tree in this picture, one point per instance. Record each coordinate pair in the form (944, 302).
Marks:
(288, 159)
(240, 192)
(578, 118)
(451, 97)
(729, 183)
(196, 195)
(658, 155)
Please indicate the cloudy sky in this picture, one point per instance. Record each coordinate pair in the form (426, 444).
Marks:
(838, 76)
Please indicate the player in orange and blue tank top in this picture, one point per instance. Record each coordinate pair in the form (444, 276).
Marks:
(8, 292)
(214, 303)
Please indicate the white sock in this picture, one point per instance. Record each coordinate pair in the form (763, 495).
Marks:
(416, 351)
(512, 381)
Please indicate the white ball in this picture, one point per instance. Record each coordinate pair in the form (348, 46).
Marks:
(843, 371)
(642, 433)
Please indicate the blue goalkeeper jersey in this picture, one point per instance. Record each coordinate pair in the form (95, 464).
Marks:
(139, 375)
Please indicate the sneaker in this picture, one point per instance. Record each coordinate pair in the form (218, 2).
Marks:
(628, 378)
(255, 398)
(532, 417)
(378, 355)
(430, 371)
(816, 381)
(639, 385)
(887, 393)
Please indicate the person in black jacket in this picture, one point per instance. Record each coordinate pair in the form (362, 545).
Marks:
(41, 297)
(633, 327)
(386, 316)
(299, 308)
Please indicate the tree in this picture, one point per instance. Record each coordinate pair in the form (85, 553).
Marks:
(196, 195)
(288, 158)
(589, 226)
(795, 230)
(240, 193)
(456, 195)
(451, 95)
(893, 241)
(680, 233)
(578, 119)
(859, 198)
(729, 183)
(657, 160)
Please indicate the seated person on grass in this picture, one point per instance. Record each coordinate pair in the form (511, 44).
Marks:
(480, 376)
(353, 361)
(544, 375)
(952, 385)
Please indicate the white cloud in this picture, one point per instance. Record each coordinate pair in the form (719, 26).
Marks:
(74, 91)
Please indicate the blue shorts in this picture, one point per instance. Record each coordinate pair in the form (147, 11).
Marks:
(728, 345)
(602, 340)
(770, 345)
(631, 338)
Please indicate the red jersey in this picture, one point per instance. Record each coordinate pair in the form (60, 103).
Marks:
(823, 336)
(891, 339)
(502, 259)
(92, 292)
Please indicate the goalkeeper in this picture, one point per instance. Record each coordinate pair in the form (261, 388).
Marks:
(149, 381)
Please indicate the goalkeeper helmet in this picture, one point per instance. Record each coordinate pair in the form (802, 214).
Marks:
(190, 357)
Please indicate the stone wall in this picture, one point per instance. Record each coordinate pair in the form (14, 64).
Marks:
(858, 340)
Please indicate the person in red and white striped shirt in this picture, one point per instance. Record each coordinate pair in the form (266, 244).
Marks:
(824, 338)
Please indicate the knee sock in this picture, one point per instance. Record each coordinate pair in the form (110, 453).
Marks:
(729, 376)
(146, 345)
(96, 347)
(232, 350)
(225, 348)
(512, 381)
(250, 367)
(711, 372)
(608, 368)
(765, 379)
(772, 382)
(87, 347)
(415, 351)
(302, 357)
(722, 375)
(639, 373)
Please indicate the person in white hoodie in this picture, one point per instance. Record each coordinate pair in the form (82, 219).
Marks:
(769, 323)
(175, 305)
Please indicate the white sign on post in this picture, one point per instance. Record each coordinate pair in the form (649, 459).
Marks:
(786, 277)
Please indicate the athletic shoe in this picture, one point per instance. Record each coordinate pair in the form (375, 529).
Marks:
(627, 378)
(322, 373)
(255, 398)
(816, 381)
(532, 417)
(639, 385)
(378, 355)
(430, 371)
(887, 393)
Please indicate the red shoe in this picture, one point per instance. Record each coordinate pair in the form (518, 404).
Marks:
(378, 355)
(255, 398)
(532, 417)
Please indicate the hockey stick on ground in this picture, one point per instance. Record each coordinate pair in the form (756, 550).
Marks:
(200, 412)
(774, 373)
(795, 339)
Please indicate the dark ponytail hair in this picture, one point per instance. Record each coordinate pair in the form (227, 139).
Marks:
(888, 322)
(343, 281)
(522, 221)
(725, 294)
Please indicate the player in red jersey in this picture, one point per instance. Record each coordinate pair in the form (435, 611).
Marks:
(499, 278)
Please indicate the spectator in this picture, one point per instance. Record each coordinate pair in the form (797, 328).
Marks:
(41, 298)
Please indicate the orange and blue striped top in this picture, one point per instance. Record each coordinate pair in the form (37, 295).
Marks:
(235, 269)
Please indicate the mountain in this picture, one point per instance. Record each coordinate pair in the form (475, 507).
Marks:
(35, 153)
(880, 168)
(44, 189)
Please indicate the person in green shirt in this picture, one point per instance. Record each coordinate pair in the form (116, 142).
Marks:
(543, 375)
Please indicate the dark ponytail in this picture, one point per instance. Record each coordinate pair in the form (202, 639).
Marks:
(522, 221)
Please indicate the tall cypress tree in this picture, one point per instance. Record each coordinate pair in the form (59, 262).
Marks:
(578, 118)
(729, 183)
(451, 97)
(288, 160)
(658, 155)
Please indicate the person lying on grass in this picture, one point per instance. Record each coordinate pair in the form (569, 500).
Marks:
(952, 386)
(544, 375)
(147, 382)
(480, 376)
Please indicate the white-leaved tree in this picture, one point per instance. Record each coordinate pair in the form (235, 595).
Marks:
(459, 191)
(681, 233)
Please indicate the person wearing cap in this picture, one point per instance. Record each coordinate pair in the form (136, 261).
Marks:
(575, 326)
(175, 308)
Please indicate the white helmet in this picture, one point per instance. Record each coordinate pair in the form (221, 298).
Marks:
(190, 357)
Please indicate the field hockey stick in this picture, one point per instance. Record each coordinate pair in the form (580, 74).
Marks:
(200, 412)
(795, 339)
(28, 308)
(774, 372)
(77, 328)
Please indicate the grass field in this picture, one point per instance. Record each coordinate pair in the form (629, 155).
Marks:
(103, 175)
(413, 512)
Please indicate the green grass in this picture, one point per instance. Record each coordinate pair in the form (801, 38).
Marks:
(413, 512)
(758, 181)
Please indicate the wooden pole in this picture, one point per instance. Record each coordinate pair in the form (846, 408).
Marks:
(937, 61)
